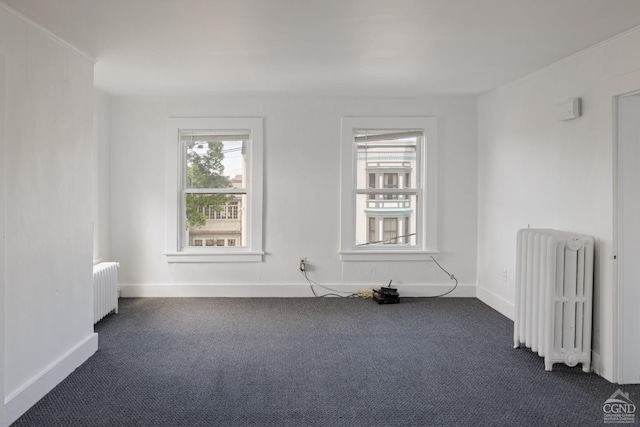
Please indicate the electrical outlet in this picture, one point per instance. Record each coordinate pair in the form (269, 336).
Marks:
(504, 276)
(303, 264)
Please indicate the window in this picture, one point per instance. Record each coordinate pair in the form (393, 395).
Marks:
(219, 211)
(390, 236)
(214, 189)
(388, 188)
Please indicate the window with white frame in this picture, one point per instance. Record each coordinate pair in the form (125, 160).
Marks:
(389, 189)
(214, 189)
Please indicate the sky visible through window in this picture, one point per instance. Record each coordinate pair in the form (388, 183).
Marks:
(232, 158)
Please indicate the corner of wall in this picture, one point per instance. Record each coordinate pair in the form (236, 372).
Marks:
(495, 301)
(30, 393)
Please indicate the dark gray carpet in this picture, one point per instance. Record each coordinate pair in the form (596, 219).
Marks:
(317, 362)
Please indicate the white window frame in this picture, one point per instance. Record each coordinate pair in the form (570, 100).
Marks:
(253, 251)
(426, 186)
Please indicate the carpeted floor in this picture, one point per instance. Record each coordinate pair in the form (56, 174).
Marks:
(317, 362)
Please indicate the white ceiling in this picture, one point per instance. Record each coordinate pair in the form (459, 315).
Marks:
(334, 47)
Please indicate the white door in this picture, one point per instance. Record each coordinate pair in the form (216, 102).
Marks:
(628, 239)
(2, 197)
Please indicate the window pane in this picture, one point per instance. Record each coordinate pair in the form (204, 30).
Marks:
(215, 159)
(386, 191)
(215, 219)
(386, 159)
(385, 221)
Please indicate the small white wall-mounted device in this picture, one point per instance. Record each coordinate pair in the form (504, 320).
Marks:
(569, 109)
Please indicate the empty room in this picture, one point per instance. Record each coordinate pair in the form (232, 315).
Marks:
(319, 213)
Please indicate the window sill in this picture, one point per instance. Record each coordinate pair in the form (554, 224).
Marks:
(387, 255)
(202, 257)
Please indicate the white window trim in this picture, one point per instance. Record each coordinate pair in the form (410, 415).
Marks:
(253, 251)
(427, 183)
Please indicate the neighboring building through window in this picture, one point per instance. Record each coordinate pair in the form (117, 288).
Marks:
(388, 160)
(388, 188)
(227, 210)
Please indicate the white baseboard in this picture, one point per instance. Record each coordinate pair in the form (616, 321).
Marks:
(293, 290)
(595, 364)
(416, 291)
(495, 301)
(35, 389)
(507, 309)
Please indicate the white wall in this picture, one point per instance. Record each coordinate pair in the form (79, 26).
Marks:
(102, 177)
(302, 184)
(533, 169)
(47, 296)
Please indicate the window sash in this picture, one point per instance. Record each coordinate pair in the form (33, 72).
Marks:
(193, 149)
(382, 181)
(220, 218)
(187, 188)
(214, 190)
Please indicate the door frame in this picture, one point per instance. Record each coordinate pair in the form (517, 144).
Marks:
(619, 287)
(3, 162)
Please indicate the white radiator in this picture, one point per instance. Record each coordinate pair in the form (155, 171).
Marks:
(105, 289)
(554, 296)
